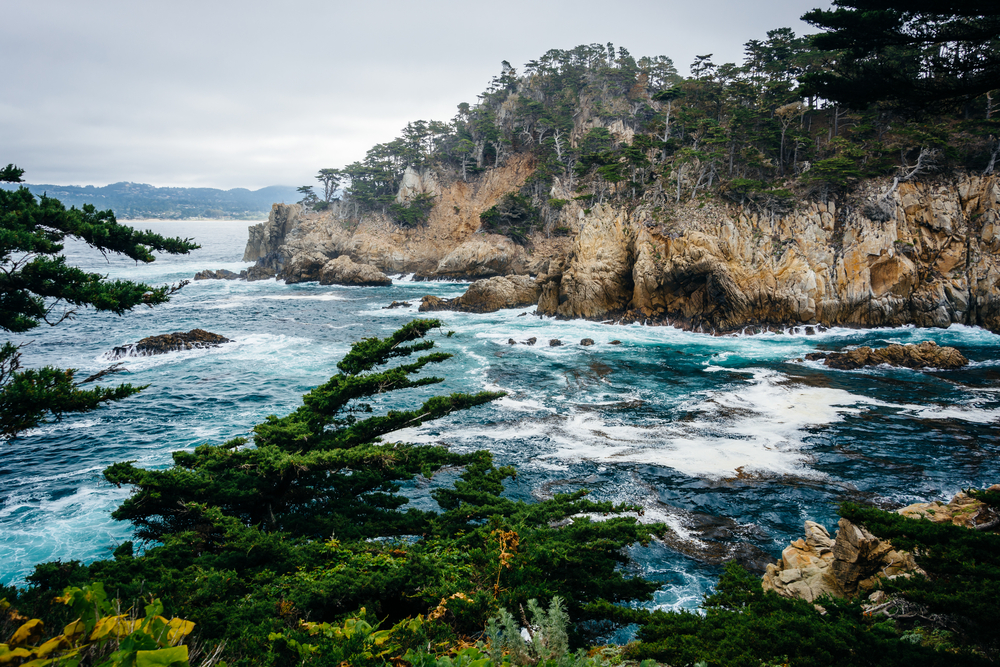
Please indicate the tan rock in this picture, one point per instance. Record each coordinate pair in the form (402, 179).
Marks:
(489, 295)
(343, 271)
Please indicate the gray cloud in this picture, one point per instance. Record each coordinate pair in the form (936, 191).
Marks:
(248, 94)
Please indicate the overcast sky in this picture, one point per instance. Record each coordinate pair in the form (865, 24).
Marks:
(248, 94)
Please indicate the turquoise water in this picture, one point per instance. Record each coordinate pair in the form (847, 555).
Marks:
(731, 441)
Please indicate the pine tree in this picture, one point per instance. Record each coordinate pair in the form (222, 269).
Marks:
(36, 286)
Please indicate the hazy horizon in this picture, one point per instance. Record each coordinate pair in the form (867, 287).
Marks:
(249, 95)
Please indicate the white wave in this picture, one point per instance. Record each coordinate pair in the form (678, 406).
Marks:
(754, 427)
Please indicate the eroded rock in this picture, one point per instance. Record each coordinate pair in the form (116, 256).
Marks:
(855, 560)
(172, 342)
(921, 355)
(221, 274)
(488, 295)
(344, 271)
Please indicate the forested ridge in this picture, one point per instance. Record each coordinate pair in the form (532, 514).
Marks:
(296, 545)
(139, 200)
(798, 118)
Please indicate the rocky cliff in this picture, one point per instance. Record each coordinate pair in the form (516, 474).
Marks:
(923, 253)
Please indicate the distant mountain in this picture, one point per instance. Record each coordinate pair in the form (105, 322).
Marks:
(139, 200)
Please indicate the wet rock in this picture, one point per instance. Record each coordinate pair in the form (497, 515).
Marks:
(555, 342)
(587, 342)
(922, 355)
(179, 340)
(221, 274)
(511, 341)
(344, 271)
(397, 304)
(615, 342)
(489, 295)
(431, 303)
(259, 273)
(531, 341)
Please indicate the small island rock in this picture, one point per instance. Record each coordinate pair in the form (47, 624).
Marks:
(922, 355)
(172, 342)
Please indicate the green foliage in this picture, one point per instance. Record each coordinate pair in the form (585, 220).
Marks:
(101, 634)
(513, 216)
(909, 55)
(27, 397)
(962, 565)
(305, 524)
(743, 626)
(414, 212)
(318, 471)
(36, 285)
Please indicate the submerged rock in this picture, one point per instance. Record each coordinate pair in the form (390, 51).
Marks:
(397, 304)
(922, 355)
(489, 295)
(179, 340)
(344, 271)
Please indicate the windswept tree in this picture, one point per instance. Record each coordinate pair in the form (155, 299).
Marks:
(910, 53)
(37, 286)
(331, 179)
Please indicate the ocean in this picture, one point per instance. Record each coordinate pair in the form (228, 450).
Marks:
(732, 441)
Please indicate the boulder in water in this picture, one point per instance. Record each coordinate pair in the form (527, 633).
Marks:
(171, 342)
(489, 295)
(587, 342)
(922, 355)
(221, 274)
(344, 271)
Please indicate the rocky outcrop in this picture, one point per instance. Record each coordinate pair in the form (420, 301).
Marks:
(296, 244)
(172, 342)
(597, 280)
(221, 274)
(933, 261)
(855, 560)
(928, 254)
(489, 295)
(342, 271)
(922, 355)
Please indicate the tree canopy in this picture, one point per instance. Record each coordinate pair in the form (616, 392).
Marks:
(38, 286)
(910, 53)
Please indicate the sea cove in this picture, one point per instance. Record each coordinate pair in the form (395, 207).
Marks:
(732, 441)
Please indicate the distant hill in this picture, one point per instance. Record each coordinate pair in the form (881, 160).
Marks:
(139, 200)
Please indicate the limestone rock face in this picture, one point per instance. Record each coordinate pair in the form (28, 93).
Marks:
(416, 183)
(342, 271)
(597, 278)
(482, 257)
(296, 244)
(921, 355)
(929, 257)
(267, 237)
(962, 510)
(179, 340)
(489, 295)
(855, 560)
(304, 267)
